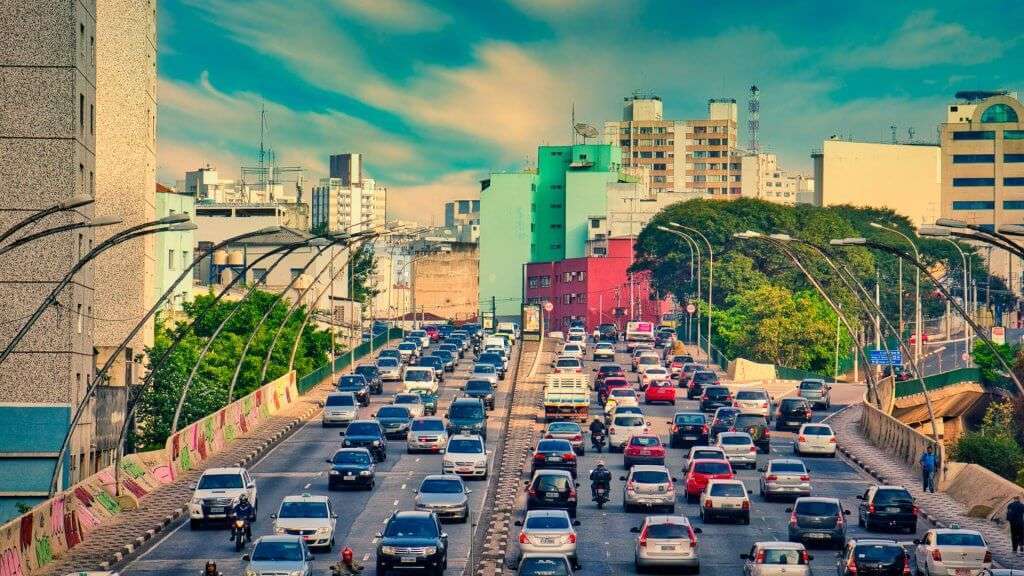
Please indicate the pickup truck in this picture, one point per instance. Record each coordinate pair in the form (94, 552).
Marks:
(566, 397)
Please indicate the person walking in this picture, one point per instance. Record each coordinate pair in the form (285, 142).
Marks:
(1015, 517)
(929, 464)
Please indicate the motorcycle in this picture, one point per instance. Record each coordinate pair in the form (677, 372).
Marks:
(600, 496)
(597, 440)
(238, 532)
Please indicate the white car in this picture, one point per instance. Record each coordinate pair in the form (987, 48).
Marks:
(647, 361)
(216, 493)
(466, 455)
(485, 372)
(945, 551)
(725, 499)
(815, 439)
(390, 369)
(572, 351)
(579, 338)
(604, 351)
(739, 448)
(566, 365)
(311, 517)
(409, 351)
(622, 397)
(420, 378)
(623, 427)
(423, 337)
(548, 532)
(339, 408)
(702, 453)
(753, 401)
(653, 374)
(784, 477)
(666, 541)
(777, 559)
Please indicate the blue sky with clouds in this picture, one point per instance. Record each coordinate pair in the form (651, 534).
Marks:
(437, 94)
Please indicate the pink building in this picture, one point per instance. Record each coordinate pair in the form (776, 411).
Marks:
(595, 289)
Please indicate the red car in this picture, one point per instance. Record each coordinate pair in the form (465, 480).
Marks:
(606, 371)
(643, 449)
(433, 332)
(700, 471)
(660, 391)
(610, 384)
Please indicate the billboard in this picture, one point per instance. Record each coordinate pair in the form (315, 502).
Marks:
(532, 322)
(487, 320)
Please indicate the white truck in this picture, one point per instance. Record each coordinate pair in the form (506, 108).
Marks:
(566, 397)
(639, 333)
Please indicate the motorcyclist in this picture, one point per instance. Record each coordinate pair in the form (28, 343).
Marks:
(600, 477)
(348, 565)
(597, 427)
(211, 569)
(245, 511)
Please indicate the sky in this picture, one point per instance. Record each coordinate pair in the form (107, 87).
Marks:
(436, 95)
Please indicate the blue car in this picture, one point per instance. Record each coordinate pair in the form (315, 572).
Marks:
(356, 384)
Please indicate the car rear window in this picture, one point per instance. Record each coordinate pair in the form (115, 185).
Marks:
(890, 497)
(563, 427)
(712, 467)
(460, 446)
(644, 441)
(782, 556)
(791, 403)
(622, 392)
(811, 385)
(340, 401)
(817, 509)
(735, 440)
(628, 421)
(878, 553)
(788, 467)
(816, 431)
(728, 490)
(418, 376)
(568, 363)
(651, 477)
(751, 395)
(478, 386)
(709, 454)
(408, 399)
(959, 539)
(554, 446)
(667, 531)
(388, 362)
(746, 420)
(552, 483)
(428, 426)
(362, 429)
(706, 377)
(547, 523)
(716, 392)
(547, 566)
(690, 419)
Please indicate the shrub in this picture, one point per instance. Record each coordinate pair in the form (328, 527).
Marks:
(999, 453)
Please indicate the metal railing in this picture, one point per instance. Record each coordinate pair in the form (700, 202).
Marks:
(309, 381)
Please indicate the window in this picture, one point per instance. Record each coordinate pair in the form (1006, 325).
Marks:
(170, 259)
(997, 113)
(556, 152)
(581, 298)
(1013, 135)
(974, 205)
(961, 182)
(658, 166)
(975, 135)
(1010, 158)
(974, 158)
(1013, 181)
(566, 298)
(533, 282)
(595, 223)
(185, 261)
(647, 155)
(259, 275)
(81, 113)
(567, 277)
(556, 186)
(1013, 205)
(556, 206)
(79, 317)
(556, 226)
(296, 272)
(92, 119)
(545, 281)
(659, 154)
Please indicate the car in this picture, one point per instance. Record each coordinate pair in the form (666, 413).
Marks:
(448, 359)
(409, 351)
(610, 383)
(873, 556)
(390, 353)
(688, 429)
(660, 391)
(553, 454)
(725, 499)
(793, 413)
(784, 477)
(623, 396)
(453, 347)
(311, 517)
(572, 350)
(394, 420)
(723, 420)
(445, 495)
(636, 352)
(654, 374)
(645, 361)
(467, 416)
(421, 378)
(603, 351)
(340, 408)
(413, 401)
(433, 332)
(664, 338)
(817, 520)
(608, 331)
(605, 371)
(568, 365)
(548, 532)
(467, 456)
(422, 336)
(552, 490)
(777, 559)
(545, 565)
(890, 507)
(429, 400)
(390, 369)
(623, 427)
(943, 551)
(366, 434)
(412, 539)
(427, 434)
(281, 554)
(372, 375)
(482, 390)
(700, 381)
(817, 392)
(648, 486)
(571, 432)
(757, 427)
(686, 373)
(351, 467)
(217, 492)
(753, 401)
(356, 384)
(622, 410)
(699, 471)
(643, 449)
(739, 448)
(484, 372)
(815, 439)
(714, 397)
(675, 362)
(666, 541)
(496, 360)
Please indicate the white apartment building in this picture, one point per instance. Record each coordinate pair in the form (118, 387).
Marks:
(762, 177)
(356, 207)
(207, 185)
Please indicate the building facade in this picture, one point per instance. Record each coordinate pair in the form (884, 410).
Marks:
(761, 177)
(175, 250)
(446, 284)
(711, 158)
(648, 141)
(355, 207)
(462, 217)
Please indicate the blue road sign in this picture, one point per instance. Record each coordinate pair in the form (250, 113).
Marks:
(885, 357)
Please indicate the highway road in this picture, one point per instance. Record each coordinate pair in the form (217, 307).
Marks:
(297, 466)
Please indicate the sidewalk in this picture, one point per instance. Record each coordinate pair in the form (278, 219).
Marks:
(939, 508)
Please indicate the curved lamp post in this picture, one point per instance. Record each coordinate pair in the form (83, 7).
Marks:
(94, 223)
(75, 202)
(944, 234)
(917, 288)
(694, 251)
(711, 275)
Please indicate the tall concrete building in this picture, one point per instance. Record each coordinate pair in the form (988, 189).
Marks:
(462, 218)
(761, 177)
(348, 200)
(347, 167)
(647, 140)
(711, 163)
(446, 283)
(174, 250)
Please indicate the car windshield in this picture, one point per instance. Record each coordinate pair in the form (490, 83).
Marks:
(712, 467)
(362, 429)
(892, 498)
(466, 410)
(616, 381)
(408, 399)
(609, 369)
(814, 508)
(547, 523)
(959, 539)
(388, 363)
(649, 360)
(393, 412)
(563, 427)
(465, 446)
(689, 419)
(340, 400)
(552, 483)
(553, 566)
(651, 477)
(418, 333)
(656, 371)
(705, 377)
(303, 510)
(406, 346)
(816, 431)
(366, 371)
(568, 363)
(483, 369)
(728, 490)
(478, 386)
(716, 392)
(220, 481)
(389, 353)
(811, 385)
(571, 348)
(645, 441)
(879, 553)
(780, 556)
(734, 440)
(751, 395)
(438, 486)
(632, 421)
(360, 458)
(667, 531)
(418, 376)
(428, 426)
(411, 528)
(554, 446)
(788, 468)
(277, 552)
(351, 381)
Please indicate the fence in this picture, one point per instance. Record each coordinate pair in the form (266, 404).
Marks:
(910, 387)
(307, 382)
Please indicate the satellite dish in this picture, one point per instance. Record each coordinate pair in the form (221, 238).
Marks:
(586, 130)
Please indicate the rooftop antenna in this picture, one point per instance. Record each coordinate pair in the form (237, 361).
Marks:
(573, 122)
(585, 130)
(892, 129)
(754, 121)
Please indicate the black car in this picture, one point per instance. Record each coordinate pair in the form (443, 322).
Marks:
(351, 467)
(552, 490)
(757, 426)
(554, 454)
(395, 421)
(793, 413)
(608, 331)
(871, 557)
(818, 521)
(714, 397)
(482, 390)
(688, 429)
(724, 420)
(467, 416)
(701, 380)
(494, 359)
(372, 376)
(366, 434)
(356, 384)
(435, 362)
(412, 539)
(887, 507)
(662, 339)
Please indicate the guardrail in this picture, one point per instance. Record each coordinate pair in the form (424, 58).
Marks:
(935, 381)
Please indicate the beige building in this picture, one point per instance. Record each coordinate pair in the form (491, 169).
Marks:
(648, 141)
(905, 178)
(447, 284)
(348, 200)
(711, 152)
(761, 177)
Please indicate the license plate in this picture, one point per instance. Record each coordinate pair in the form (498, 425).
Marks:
(464, 470)
(645, 452)
(689, 437)
(667, 548)
(349, 477)
(792, 423)
(548, 541)
(962, 572)
(731, 506)
(892, 509)
(554, 458)
(551, 495)
(216, 510)
(818, 535)
(408, 559)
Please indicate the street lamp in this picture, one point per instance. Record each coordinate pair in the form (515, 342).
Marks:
(694, 250)
(94, 223)
(917, 288)
(74, 202)
(711, 275)
(944, 234)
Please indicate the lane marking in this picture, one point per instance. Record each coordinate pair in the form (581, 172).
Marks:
(306, 487)
(403, 487)
(395, 503)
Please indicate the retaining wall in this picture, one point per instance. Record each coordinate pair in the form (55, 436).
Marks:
(896, 438)
(984, 493)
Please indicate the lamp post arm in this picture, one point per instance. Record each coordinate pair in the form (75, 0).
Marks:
(44, 233)
(36, 216)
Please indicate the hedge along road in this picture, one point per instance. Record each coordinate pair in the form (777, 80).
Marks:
(296, 466)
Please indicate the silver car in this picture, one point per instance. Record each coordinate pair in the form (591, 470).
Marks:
(549, 532)
(390, 369)
(279, 555)
(784, 477)
(340, 408)
(649, 486)
(739, 448)
(817, 392)
(777, 559)
(445, 495)
(427, 434)
(666, 541)
(485, 372)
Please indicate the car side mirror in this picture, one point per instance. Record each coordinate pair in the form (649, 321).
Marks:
(518, 523)
(526, 482)
(250, 485)
(334, 516)
(191, 485)
(744, 557)
(309, 557)
(789, 510)
(342, 433)
(379, 535)
(245, 557)
(273, 516)
(577, 523)
(577, 484)
(622, 478)
(698, 530)
(917, 541)
(444, 535)
(809, 558)
(468, 491)
(635, 529)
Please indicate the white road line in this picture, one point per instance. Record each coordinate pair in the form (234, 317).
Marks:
(403, 487)
(366, 557)
(306, 487)
(395, 503)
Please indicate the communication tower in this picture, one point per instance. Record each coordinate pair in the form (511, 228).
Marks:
(754, 121)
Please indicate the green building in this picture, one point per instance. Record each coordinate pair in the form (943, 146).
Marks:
(174, 250)
(540, 216)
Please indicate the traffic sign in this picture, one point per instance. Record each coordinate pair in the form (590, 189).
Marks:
(690, 308)
(548, 306)
(885, 357)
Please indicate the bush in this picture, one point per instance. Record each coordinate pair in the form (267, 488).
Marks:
(999, 453)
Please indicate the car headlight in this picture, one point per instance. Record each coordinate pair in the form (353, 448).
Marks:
(364, 472)
(347, 443)
(430, 550)
(278, 530)
(323, 530)
(376, 442)
(481, 464)
(490, 396)
(250, 572)
(389, 550)
(334, 473)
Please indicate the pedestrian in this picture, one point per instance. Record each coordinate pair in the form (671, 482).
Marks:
(929, 465)
(1015, 517)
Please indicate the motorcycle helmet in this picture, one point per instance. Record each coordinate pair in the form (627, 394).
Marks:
(346, 555)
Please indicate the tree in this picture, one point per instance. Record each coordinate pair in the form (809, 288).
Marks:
(364, 267)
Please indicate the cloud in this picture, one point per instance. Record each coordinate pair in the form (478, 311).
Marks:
(396, 15)
(923, 41)
(424, 203)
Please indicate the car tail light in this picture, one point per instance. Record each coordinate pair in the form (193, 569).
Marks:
(538, 456)
(709, 504)
(569, 456)
(577, 437)
(630, 486)
(611, 430)
(840, 521)
(523, 538)
(915, 510)
(936, 555)
(675, 428)
(703, 397)
(572, 494)
(801, 439)
(906, 565)
(572, 538)
(531, 491)
(759, 557)
(805, 557)
(643, 537)
(728, 398)
(745, 505)
(705, 430)
(771, 478)
(805, 478)
(753, 448)
(548, 436)
(693, 536)
(871, 508)
(792, 518)
(671, 487)
(764, 405)
(767, 433)
(832, 440)
(988, 557)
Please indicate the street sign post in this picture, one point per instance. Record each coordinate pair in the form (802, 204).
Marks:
(885, 357)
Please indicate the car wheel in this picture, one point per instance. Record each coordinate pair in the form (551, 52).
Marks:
(583, 451)
(330, 545)
(746, 520)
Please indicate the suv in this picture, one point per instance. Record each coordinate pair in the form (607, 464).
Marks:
(311, 517)
(757, 427)
(366, 434)
(688, 429)
(776, 558)
(482, 390)
(649, 486)
(816, 391)
(887, 507)
(465, 456)
(754, 401)
(279, 555)
(552, 490)
(623, 427)
(467, 416)
(819, 520)
(712, 397)
(879, 556)
(412, 539)
(701, 380)
(726, 499)
(217, 492)
(793, 413)
(608, 331)
(356, 384)
(339, 408)
(419, 378)
(372, 375)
